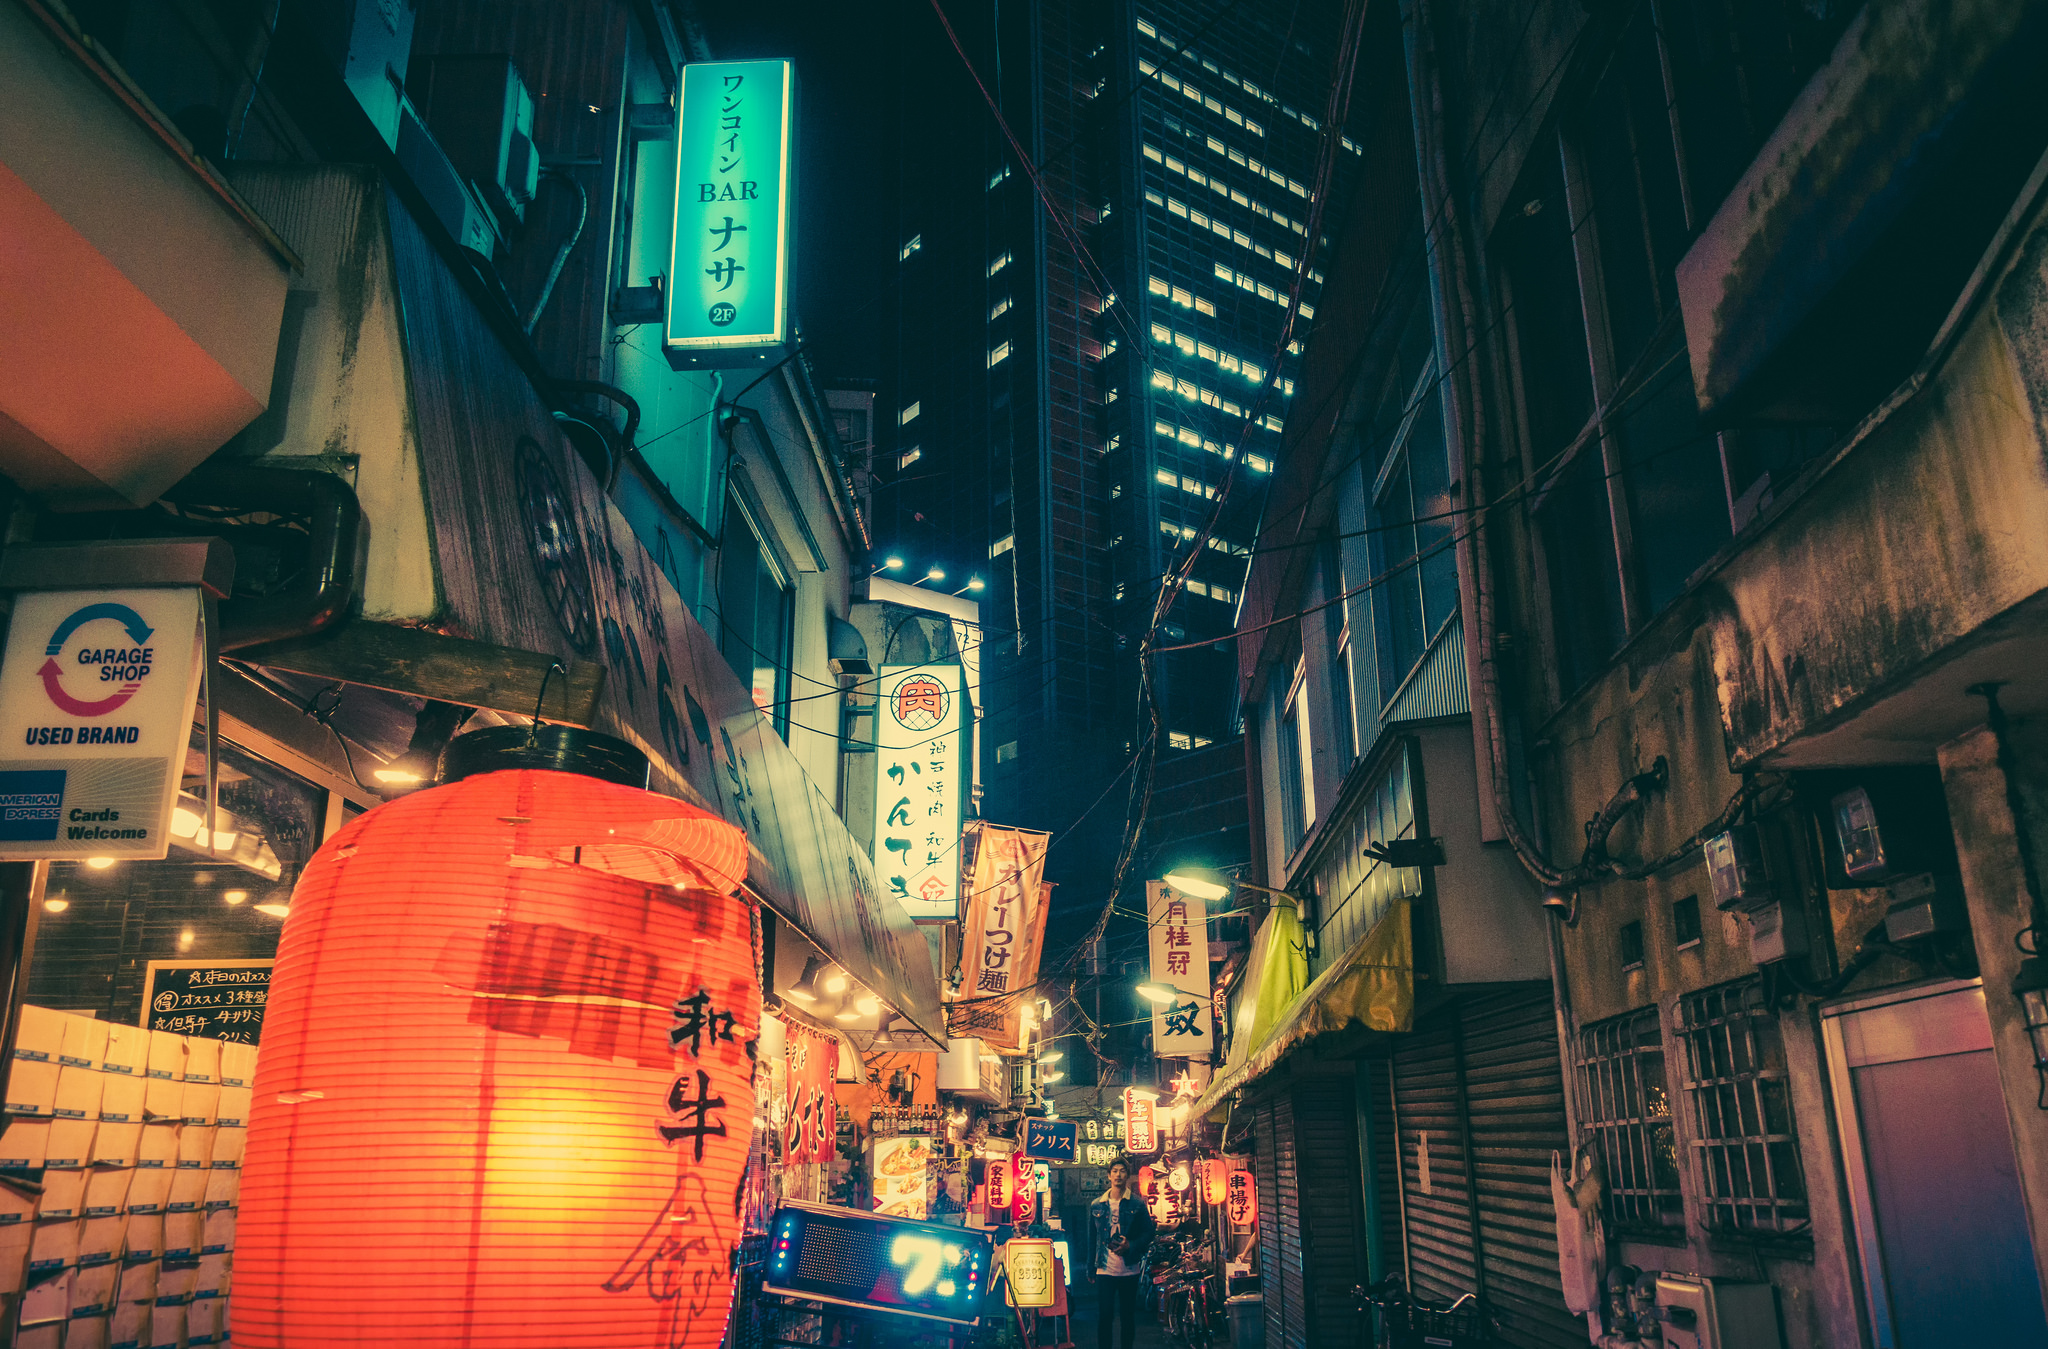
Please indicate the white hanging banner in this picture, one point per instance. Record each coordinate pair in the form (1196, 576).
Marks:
(97, 691)
(1179, 929)
(920, 777)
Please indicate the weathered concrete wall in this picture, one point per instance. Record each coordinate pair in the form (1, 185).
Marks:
(1660, 701)
(1917, 538)
(1920, 536)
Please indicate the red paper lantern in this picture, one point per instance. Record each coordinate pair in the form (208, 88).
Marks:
(1215, 1180)
(505, 1097)
(1001, 1190)
(1243, 1200)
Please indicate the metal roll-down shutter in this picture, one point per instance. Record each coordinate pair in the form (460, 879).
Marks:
(1514, 1094)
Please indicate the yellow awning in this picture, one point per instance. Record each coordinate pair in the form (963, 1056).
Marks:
(1372, 986)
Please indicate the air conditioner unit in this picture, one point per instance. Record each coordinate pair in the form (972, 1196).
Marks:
(454, 205)
(482, 114)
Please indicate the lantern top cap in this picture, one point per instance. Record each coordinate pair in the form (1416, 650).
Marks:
(563, 749)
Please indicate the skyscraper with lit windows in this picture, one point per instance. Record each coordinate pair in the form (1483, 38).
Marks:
(1068, 394)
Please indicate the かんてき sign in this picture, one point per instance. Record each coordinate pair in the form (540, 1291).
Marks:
(920, 775)
(96, 698)
(728, 290)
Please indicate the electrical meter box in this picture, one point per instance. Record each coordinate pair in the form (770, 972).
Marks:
(1736, 870)
(1701, 1313)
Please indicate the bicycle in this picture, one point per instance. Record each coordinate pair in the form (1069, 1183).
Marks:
(1410, 1322)
(1187, 1298)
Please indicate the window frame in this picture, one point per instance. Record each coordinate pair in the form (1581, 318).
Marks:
(1697, 1018)
(1292, 746)
(1608, 1058)
(784, 581)
(1383, 476)
(1614, 388)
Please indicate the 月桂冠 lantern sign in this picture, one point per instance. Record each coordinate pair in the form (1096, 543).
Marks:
(506, 1095)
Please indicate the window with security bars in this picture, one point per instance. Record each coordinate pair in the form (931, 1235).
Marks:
(1628, 1118)
(1745, 1154)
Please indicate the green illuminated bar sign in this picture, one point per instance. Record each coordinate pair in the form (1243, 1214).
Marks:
(728, 295)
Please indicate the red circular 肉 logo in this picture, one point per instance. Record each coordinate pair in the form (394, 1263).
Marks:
(112, 664)
(920, 702)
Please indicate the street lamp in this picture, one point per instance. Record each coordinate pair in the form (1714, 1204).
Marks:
(1210, 885)
(890, 563)
(933, 574)
(975, 584)
(1159, 993)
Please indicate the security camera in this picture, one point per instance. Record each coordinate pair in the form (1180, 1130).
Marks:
(1561, 902)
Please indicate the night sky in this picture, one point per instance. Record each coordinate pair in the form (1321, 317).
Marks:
(846, 217)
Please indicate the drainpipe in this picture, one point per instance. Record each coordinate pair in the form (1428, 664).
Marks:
(1466, 426)
(321, 593)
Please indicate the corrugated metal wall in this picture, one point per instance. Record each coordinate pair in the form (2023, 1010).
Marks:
(1282, 1259)
(1437, 688)
(1515, 1096)
(1332, 1209)
(1434, 1195)
(1481, 1081)
(1311, 1214)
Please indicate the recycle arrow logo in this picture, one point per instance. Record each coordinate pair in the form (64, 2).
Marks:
(53, 674)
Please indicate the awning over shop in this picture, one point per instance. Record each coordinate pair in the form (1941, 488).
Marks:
(1372, 986)
(458, 456)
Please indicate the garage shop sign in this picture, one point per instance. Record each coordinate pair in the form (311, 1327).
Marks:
(97, 691)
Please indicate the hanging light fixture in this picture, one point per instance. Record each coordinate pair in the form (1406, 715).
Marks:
(501, 1073)
(806, 987)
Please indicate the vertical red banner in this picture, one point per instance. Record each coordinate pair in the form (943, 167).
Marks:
(811, 1120)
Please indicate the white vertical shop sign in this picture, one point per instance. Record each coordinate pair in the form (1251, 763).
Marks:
(97, 691)
(920, 775)
(1179, 931)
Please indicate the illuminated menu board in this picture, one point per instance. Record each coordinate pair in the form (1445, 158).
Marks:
(882, 1264)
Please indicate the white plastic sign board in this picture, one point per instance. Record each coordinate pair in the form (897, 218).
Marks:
(1179, 932)
(920, 775)
(97, 690)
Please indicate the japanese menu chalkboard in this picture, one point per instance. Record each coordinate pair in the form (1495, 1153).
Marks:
(217, 999)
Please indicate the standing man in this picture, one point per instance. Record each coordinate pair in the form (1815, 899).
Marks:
(1121, 1229)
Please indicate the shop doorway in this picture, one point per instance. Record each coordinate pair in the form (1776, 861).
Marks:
(1941, 1234)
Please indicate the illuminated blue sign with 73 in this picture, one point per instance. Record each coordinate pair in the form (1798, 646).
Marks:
(865, 1260)
(728, 288)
